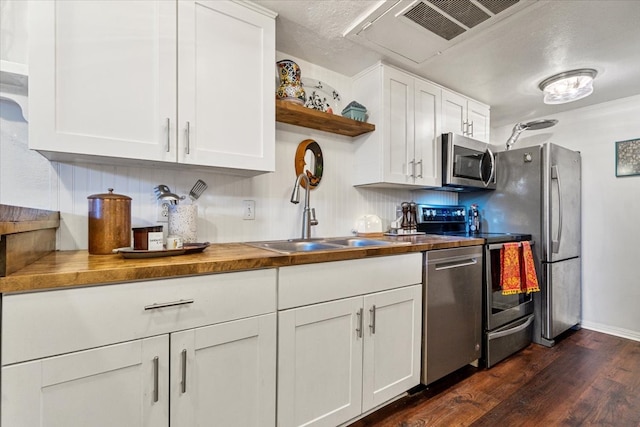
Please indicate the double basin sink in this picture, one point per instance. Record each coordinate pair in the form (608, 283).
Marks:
(310, 245)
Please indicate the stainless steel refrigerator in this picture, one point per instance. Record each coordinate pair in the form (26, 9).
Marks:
(538, 192)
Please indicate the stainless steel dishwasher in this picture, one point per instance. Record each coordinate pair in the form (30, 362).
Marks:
(452, 316)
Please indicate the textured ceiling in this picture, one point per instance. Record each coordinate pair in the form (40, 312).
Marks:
(501, 66)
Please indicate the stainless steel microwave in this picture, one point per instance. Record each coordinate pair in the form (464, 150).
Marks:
(467, 164)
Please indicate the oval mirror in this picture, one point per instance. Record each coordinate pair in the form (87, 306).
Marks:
(309, 161)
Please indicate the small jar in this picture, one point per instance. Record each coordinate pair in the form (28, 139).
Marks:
(147, 238)
(174, 242)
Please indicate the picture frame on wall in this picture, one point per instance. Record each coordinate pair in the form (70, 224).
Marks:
(628, 157)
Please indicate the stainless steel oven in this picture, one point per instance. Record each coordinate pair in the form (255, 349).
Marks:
(501, 309)
(508, 319)
(467, 164)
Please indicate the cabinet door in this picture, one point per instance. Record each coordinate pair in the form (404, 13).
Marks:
(454, 113)
(320, 364)
(117, 385)
(392, 345)
(428, 164)
(226, 85)
(478, 116)
(399, 121)
(225, 374)
(102, 78)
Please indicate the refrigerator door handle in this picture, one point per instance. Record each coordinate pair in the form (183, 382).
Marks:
(555, 244)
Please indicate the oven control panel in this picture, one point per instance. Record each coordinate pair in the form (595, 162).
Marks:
(441, 214)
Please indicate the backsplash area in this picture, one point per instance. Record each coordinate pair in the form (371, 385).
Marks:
(28, 179)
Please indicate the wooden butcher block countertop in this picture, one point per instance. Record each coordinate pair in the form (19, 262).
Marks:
(64, 269)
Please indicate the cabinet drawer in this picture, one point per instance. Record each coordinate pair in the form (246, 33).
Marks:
(43, 324)
(312, 283)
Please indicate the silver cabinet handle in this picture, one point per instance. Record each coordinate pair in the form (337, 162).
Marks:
(359, 327)
(183, 383)
(187, 138)
(155, 306)
(413, 169)
(168, 148)
(372, 325)
(419, 163)
(156, 362)
(470, 126)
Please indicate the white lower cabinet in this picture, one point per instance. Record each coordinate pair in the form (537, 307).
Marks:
(393, 333)
(224, 375)
(341, 358)
(118, 385)
(201, 350)
(218, 374)
(320, 364)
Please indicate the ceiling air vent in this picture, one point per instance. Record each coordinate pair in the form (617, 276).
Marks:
(497, 6)
(433, 21)
(465, 12)
(413, 31)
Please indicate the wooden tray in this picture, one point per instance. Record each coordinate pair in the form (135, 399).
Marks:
(188, 248)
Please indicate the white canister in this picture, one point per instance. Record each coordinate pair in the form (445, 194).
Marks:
(183, 222)
(174, 242)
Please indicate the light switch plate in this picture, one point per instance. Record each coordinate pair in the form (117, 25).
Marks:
(249, 209)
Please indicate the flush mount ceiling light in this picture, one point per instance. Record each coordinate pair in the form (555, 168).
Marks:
(568, 86)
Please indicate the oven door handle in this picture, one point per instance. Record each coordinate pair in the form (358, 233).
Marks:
(499, 245)
(495, 335)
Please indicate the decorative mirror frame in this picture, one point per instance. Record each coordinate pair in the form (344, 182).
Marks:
(316, 176)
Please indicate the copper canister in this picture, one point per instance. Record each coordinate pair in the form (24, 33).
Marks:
(109, 222)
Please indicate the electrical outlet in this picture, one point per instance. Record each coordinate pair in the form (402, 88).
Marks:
(163, 211)
(248, 209)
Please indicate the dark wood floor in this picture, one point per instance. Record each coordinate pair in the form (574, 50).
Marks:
(586, 379)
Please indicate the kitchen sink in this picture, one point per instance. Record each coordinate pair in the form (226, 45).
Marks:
(294, 245)
(362, 242)
(290, 246)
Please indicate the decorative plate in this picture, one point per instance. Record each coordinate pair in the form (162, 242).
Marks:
(321, 96)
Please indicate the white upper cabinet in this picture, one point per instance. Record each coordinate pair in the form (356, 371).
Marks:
(226, 85)
(464, 116)
(102, 78)
(404, 150)
(187, 82)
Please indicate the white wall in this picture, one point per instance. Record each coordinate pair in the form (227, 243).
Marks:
(610, 210)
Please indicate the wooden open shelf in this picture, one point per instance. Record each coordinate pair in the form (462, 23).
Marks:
(295, 114)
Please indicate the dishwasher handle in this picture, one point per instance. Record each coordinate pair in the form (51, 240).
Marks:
(455, 264)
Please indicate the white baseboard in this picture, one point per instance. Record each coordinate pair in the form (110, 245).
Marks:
(612, 330)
